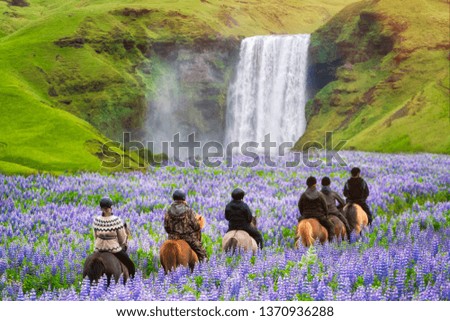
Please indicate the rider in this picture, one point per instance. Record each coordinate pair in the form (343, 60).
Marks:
(331, 198)
(111, 236)
(181, 223)
(357, 191)
(239, 216)
(312, 204)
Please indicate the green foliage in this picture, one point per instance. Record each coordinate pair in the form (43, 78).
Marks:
(393, 78)
(281, 272)
(74, 74)
(359, 282)
(198, 281)
(304, 297)
(208, 244)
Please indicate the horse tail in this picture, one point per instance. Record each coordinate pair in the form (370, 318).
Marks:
(231, 245)
(96, 269)
(351, 216)
(169, 256)
(306, 233)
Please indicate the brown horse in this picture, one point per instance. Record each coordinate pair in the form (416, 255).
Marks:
(339, 227)
(308, 231)
(238, 239)
(356, 217)
(174, 253)
(100, 263)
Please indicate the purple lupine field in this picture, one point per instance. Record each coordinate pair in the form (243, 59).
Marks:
(45, 234)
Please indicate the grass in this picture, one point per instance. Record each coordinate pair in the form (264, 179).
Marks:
(394, 102)
(54, 99)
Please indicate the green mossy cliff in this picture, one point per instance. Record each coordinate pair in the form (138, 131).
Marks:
(78, 73)
(388, 62)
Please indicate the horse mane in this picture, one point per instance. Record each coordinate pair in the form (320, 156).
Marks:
(96, 269)
(350, 214)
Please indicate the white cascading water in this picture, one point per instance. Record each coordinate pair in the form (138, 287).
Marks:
(268, 95)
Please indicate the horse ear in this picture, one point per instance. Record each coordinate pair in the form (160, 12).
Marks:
(201, 221)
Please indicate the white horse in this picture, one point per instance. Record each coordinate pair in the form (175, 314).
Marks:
(239, 239)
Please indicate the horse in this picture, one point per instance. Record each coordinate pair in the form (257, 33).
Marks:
(239, 239)
(308, 231)
(356, 217)
(100, 263)
(174, 253)
(339, 227)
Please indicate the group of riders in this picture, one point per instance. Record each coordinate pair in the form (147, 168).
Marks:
(181, 222)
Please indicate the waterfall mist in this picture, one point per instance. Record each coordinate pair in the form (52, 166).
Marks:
(161, 120)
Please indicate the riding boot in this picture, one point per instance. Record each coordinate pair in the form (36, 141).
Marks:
(125, 259)
(366, 209)
(197, 247)
(253, 232)
(329, 227)
(344, 220)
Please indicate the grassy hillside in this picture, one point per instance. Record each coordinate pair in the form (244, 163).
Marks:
(72, 73)
(391, 92)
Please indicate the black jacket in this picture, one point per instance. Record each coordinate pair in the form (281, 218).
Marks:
(312, 203)
(356, 190)
(331, 197)
(238, 214)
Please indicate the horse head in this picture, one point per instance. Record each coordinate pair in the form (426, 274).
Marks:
(254, 222)
(202, 223)
(127, 229)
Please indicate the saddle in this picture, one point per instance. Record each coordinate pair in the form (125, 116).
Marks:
(235, 232)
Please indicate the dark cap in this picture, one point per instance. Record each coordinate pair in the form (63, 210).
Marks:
(326, 181)
(179, 195)
(355, 171)
(237, 194)
(106, 202)
(311, 181)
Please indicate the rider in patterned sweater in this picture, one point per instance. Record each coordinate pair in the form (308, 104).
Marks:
(110, 235)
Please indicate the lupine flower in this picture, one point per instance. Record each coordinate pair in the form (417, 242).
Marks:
(45, 234)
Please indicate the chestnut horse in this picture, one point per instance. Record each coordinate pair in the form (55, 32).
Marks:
(356, 217)
(239, 239)
(174, 253)
(308, 231)
(100, 263)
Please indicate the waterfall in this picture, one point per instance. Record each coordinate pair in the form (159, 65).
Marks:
(268, 94)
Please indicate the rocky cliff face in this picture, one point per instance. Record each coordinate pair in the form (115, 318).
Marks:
(381, 77)
(191, 87)
(354, 36)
